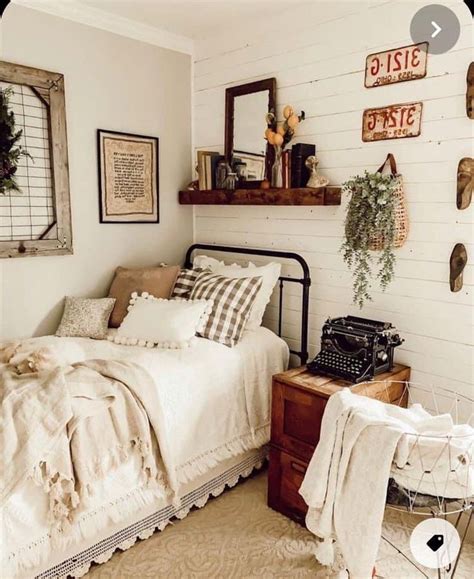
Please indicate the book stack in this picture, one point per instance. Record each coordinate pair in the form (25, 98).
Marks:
(299, 172)
(206, 167)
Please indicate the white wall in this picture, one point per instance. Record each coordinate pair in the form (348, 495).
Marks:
(111, 83)
(317, 55)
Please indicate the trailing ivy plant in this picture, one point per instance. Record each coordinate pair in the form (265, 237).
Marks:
(371, 210)
(10, 150)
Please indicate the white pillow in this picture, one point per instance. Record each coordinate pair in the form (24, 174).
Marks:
(164, 323)
(269, 274)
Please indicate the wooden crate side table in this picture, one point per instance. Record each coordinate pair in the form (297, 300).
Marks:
(298, 402)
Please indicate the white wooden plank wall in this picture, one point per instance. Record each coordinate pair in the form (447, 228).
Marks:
(318, 56)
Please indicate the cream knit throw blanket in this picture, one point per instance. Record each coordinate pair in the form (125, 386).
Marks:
(346, 482)
(363, 442)
(47, 430)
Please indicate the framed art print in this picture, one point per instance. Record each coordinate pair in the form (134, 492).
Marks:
(255, 165)
(128, 178)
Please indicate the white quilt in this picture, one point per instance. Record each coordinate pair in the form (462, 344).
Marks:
(215, 404)
(211, 407)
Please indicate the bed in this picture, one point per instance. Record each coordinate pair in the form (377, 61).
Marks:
(209, 388)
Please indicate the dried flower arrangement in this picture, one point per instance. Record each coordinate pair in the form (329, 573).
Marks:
(10, 150)
(279, 134)
(371, 212)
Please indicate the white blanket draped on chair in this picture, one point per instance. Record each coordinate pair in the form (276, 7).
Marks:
(363, 443)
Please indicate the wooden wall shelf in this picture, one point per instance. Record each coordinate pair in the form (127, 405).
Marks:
(303, 196)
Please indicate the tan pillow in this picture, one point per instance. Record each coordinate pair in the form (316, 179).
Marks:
(158, 281)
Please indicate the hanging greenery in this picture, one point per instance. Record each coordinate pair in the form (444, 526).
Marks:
(10, 150)
(370, 213)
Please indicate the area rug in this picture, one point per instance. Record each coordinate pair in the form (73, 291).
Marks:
(237, 536)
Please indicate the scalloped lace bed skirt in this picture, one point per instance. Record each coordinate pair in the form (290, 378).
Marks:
(116, 518)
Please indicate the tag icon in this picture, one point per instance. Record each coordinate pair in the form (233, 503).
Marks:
(435, 543)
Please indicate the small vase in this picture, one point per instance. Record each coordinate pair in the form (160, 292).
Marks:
(277, 176)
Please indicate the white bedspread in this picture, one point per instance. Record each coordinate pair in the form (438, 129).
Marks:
(215, 401)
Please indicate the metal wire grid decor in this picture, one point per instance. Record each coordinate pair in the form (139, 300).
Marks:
(30, 213)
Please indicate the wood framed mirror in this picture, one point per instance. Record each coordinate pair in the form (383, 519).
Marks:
(246, 107)
(35, 215)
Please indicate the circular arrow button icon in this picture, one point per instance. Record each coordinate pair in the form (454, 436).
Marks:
(437, 29)
(437, 25)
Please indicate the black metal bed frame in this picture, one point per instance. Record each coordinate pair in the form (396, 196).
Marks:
(305, 282)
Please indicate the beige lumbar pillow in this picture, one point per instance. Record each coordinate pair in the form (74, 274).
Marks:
(157, 281)
(163, 323)
(86, 318)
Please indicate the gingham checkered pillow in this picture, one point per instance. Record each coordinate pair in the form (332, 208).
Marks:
(233, 299)
(185, 283)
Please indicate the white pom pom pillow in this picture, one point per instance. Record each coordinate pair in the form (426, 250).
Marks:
(162, 323)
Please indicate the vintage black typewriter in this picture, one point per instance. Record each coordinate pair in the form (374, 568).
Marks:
(355, 349)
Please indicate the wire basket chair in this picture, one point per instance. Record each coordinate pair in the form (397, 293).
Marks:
(433, 474)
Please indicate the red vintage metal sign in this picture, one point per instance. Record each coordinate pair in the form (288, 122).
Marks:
(392, 122)
(396, 65)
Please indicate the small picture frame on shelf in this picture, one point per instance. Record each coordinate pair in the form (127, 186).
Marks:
(255, 165)
(128, 177)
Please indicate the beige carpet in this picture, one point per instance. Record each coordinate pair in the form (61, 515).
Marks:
(236, 535)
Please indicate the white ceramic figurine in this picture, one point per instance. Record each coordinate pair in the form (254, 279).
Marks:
(315, 179)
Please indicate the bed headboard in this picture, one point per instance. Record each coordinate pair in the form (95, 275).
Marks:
(304, 281)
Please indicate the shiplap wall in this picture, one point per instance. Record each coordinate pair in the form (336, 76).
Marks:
(317, 55)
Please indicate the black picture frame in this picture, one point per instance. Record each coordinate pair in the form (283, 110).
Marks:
(131, 217)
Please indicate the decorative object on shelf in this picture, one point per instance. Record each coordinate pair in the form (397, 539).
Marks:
(299, 172)
(315, 179)
(241, 171)
(286, 168)
(465, 182)
(376, 220)
(245, 108)
(457, 263)
(279, 134)
(10, 149)
(193, 186)
(129, 180)
(265, 184)
(254, 166)
(277, 174)
(207, 162)
(230, 181)
(398, 121)
(222, 170)
(201, 170)
(396, 65)
(41, 223)
(470, 91)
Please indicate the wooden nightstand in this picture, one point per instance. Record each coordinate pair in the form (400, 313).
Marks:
(298, 402)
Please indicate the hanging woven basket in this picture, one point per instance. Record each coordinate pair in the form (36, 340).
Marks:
(377, 241)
